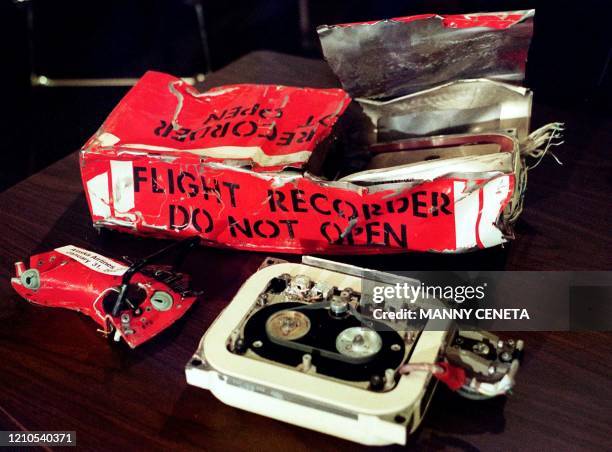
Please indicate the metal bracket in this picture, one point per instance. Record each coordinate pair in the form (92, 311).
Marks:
(181, 248)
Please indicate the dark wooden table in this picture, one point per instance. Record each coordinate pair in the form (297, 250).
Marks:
(58, 373)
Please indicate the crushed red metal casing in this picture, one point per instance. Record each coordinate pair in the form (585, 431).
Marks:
(74, 278)
(231, 166)
(267, 127)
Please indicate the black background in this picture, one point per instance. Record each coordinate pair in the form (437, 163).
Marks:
(568, 61)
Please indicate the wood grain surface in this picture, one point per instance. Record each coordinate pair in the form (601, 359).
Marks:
(58, 373)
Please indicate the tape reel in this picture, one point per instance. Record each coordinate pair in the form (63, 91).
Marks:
(340, 346)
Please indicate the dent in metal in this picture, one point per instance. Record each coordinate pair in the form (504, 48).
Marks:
(463, 106)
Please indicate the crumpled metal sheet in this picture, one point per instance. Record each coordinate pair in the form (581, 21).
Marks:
(150, 190)
(264, 127)
(462, 106)
(395, 57)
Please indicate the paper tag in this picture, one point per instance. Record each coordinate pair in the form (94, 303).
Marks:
(93, 260)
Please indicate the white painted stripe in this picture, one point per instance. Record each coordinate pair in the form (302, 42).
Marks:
(466, 215)
(122, 176)
(97, 188)
(495, 193)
